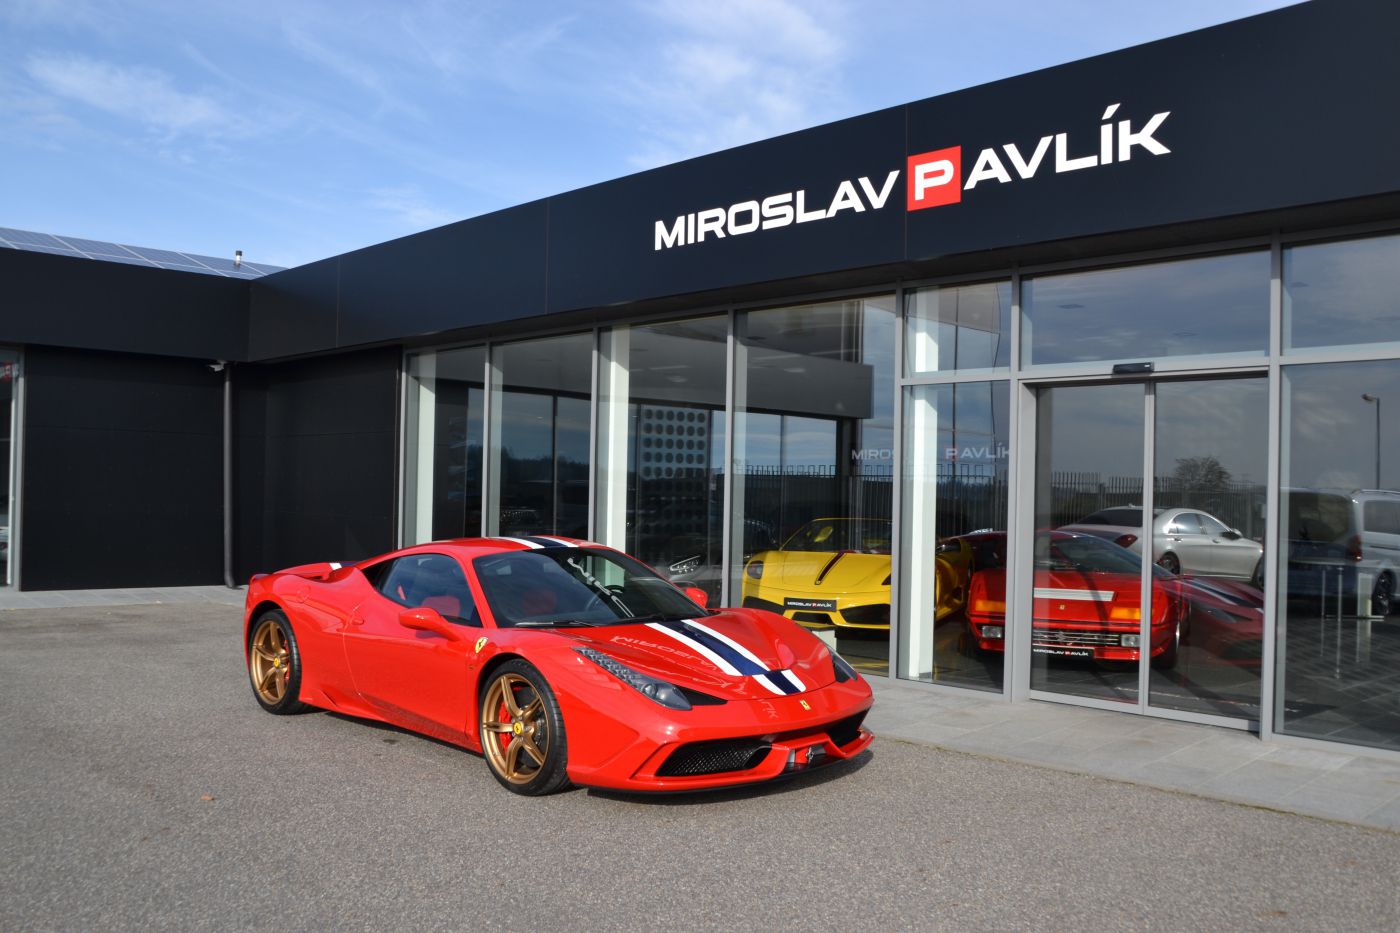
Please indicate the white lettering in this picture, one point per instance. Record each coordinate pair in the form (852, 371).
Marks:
(988, 166)
(877, 201)
(1063, 163)
(1106, 136)
(748, 226)
(1127, 139)
(710, 220)
(931, 175)
(803, 215)
(777, 210)
(845, 199)
(673, 237)
(1023, 168)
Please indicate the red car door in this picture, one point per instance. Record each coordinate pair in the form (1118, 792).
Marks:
(413, 678)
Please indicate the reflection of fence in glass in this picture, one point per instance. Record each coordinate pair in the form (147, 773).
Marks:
(1074, 495)
(971, 497)
(786, 498)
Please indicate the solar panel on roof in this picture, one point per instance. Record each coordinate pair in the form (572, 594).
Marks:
(56, 250)
(159, 255)
(95, 247)
(132, 255)
(18, 237)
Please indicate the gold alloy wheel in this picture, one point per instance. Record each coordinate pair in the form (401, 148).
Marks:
(270, 662)
(514, 737)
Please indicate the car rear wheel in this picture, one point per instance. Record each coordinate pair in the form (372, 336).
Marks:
(1170, 563)
(1168, 658)
(522, 731)
(274, 664)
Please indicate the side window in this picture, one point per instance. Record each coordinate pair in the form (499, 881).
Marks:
(1382, 517)
(1210, 526)
(1187, 523)
(434, 581)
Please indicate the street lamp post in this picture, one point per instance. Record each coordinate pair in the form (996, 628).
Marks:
(1368, 397)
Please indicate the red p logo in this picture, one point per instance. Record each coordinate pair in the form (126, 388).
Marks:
(935, 178)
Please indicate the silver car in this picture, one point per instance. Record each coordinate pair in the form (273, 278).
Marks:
(1184, 541)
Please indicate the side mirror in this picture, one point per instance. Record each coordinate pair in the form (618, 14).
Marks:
(1231, 534)
(698, 596)
(424, 619)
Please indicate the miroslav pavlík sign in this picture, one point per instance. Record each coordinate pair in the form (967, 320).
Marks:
(932, 179)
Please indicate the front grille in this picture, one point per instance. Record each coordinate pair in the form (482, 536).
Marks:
(714, 757)
(1059, 637)
(812, 618)
(878, 614)
(846, 731)
(753, 602)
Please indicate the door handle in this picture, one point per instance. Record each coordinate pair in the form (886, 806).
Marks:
(356, 620)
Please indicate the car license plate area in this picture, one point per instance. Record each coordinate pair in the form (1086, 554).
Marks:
(1059, 651)
(819, 605)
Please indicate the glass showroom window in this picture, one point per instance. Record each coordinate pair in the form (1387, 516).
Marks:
(1342, 293)
(953, 571)
(1215, 304)
(813, 449)
(661, 398)
(540, 408)
(9, 372)
(962, 328)
(443, 435)
(1339, 648)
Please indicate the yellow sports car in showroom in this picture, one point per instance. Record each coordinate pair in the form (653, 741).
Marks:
(836, 571)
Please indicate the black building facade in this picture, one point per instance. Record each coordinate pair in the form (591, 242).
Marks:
(972, 358)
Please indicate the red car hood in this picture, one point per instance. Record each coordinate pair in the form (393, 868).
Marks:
(1091, 597)
(735, 654)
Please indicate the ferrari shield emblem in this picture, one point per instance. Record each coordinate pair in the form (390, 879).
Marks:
(804, 704)
(480, 643)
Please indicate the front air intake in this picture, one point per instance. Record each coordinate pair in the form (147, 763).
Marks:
(717, 757)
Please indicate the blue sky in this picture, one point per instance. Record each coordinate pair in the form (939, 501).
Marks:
(298, 130)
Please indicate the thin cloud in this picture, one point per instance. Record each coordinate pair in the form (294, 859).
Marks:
(137, 93)
(408, 208)
(729, 72)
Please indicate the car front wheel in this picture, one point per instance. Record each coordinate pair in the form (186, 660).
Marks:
(522, 731)
(274, 664)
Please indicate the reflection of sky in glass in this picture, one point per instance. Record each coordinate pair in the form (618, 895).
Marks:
(1342, 293)
(1218, 304)
(1330, 430)
(962, 327)
(1224, 419)
(1093, 429)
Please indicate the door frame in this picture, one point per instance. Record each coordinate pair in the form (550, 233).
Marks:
(1021, 549)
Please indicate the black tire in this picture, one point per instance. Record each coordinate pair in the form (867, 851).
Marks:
(1383, 595)
(1257, 578)
(274, 664)
(1168, 658)
(529, 770)
(1170, 563)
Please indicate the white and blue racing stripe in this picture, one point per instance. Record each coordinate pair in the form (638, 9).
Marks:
(728, 655)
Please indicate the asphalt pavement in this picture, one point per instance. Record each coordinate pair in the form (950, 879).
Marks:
(142, 787)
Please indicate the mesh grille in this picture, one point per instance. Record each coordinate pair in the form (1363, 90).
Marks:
(714, 757)
(753, 602)
(1057, 637)
(878, 614)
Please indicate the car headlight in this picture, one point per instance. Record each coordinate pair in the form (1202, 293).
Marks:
(755, 569)
(667, 694)
(844, 671)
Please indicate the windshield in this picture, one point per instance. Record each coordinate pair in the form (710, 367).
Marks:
(576, 586)
(1086, 554)
(862, 535)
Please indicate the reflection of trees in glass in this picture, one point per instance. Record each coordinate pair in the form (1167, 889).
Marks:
(1201, 474)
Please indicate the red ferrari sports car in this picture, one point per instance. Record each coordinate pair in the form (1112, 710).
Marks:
(560, 660)
(1086, 602)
